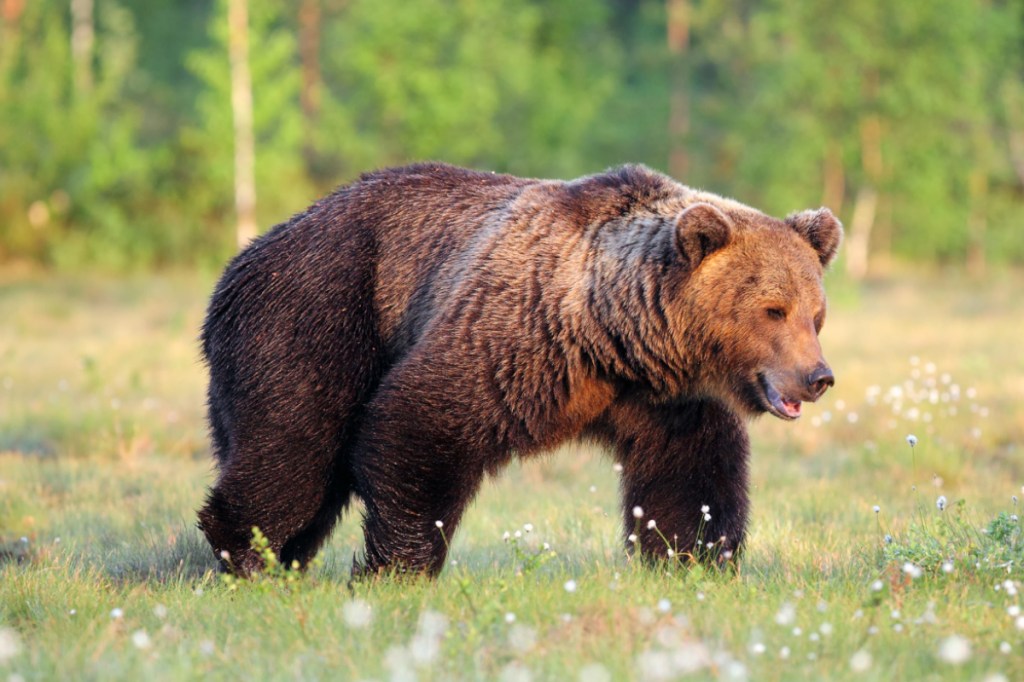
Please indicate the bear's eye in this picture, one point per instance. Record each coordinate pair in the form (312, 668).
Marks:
(775, 313)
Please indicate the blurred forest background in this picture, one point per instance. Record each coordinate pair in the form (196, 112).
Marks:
(143, 133)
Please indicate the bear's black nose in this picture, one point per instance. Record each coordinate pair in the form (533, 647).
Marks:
(819, 380)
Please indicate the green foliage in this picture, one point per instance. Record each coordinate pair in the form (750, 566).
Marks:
(137, 170)
(528, 559)
(275, 576)
(949, 540)
(501, 85)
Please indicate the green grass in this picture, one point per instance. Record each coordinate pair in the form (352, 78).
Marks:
(105, 458)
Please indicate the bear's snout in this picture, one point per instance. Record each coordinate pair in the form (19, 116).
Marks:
(819, 381)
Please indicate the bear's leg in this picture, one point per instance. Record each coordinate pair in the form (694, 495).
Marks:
(287, 484)
(679, 459)
(413, 468)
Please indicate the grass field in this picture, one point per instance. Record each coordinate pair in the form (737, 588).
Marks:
(104, 458)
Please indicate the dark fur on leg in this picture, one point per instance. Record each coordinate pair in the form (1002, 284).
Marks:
(676, 459)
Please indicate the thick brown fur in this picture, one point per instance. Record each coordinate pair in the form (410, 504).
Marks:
(419, 328)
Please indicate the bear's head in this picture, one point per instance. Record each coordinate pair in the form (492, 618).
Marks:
(754, 303)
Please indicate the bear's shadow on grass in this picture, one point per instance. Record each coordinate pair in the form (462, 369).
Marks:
(186, 557)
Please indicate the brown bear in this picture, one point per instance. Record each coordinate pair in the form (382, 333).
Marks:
(419, 328)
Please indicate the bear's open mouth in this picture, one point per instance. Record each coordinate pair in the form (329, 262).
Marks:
(781, 407)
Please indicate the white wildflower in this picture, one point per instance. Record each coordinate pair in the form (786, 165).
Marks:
(655, 665)
(515, 672)
(425, 646)
(522, 638)
(860, 662)
(955, 649)
(912, 570)
(398, 660)
(786, 614)
(356, 613)
(10, 644)
(690, 656)
(432, 623)
(141, 639)
(594, 672)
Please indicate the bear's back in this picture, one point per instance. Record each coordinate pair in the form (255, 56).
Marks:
(440, 230)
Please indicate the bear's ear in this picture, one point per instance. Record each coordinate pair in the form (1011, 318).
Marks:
(821, 229)
(701, 230)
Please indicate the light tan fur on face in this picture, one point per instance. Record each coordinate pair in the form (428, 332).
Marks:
(735, 299)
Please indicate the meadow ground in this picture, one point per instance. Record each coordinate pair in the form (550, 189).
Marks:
(104, 458)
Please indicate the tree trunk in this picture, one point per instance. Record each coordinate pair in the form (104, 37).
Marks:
(834, 191)
(309, 50)
(857, 246)
(241, 106)
(858, 249)
(678, 24)
(82, 39)
(977, 222)
(1013, 105)
(1016, 144)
